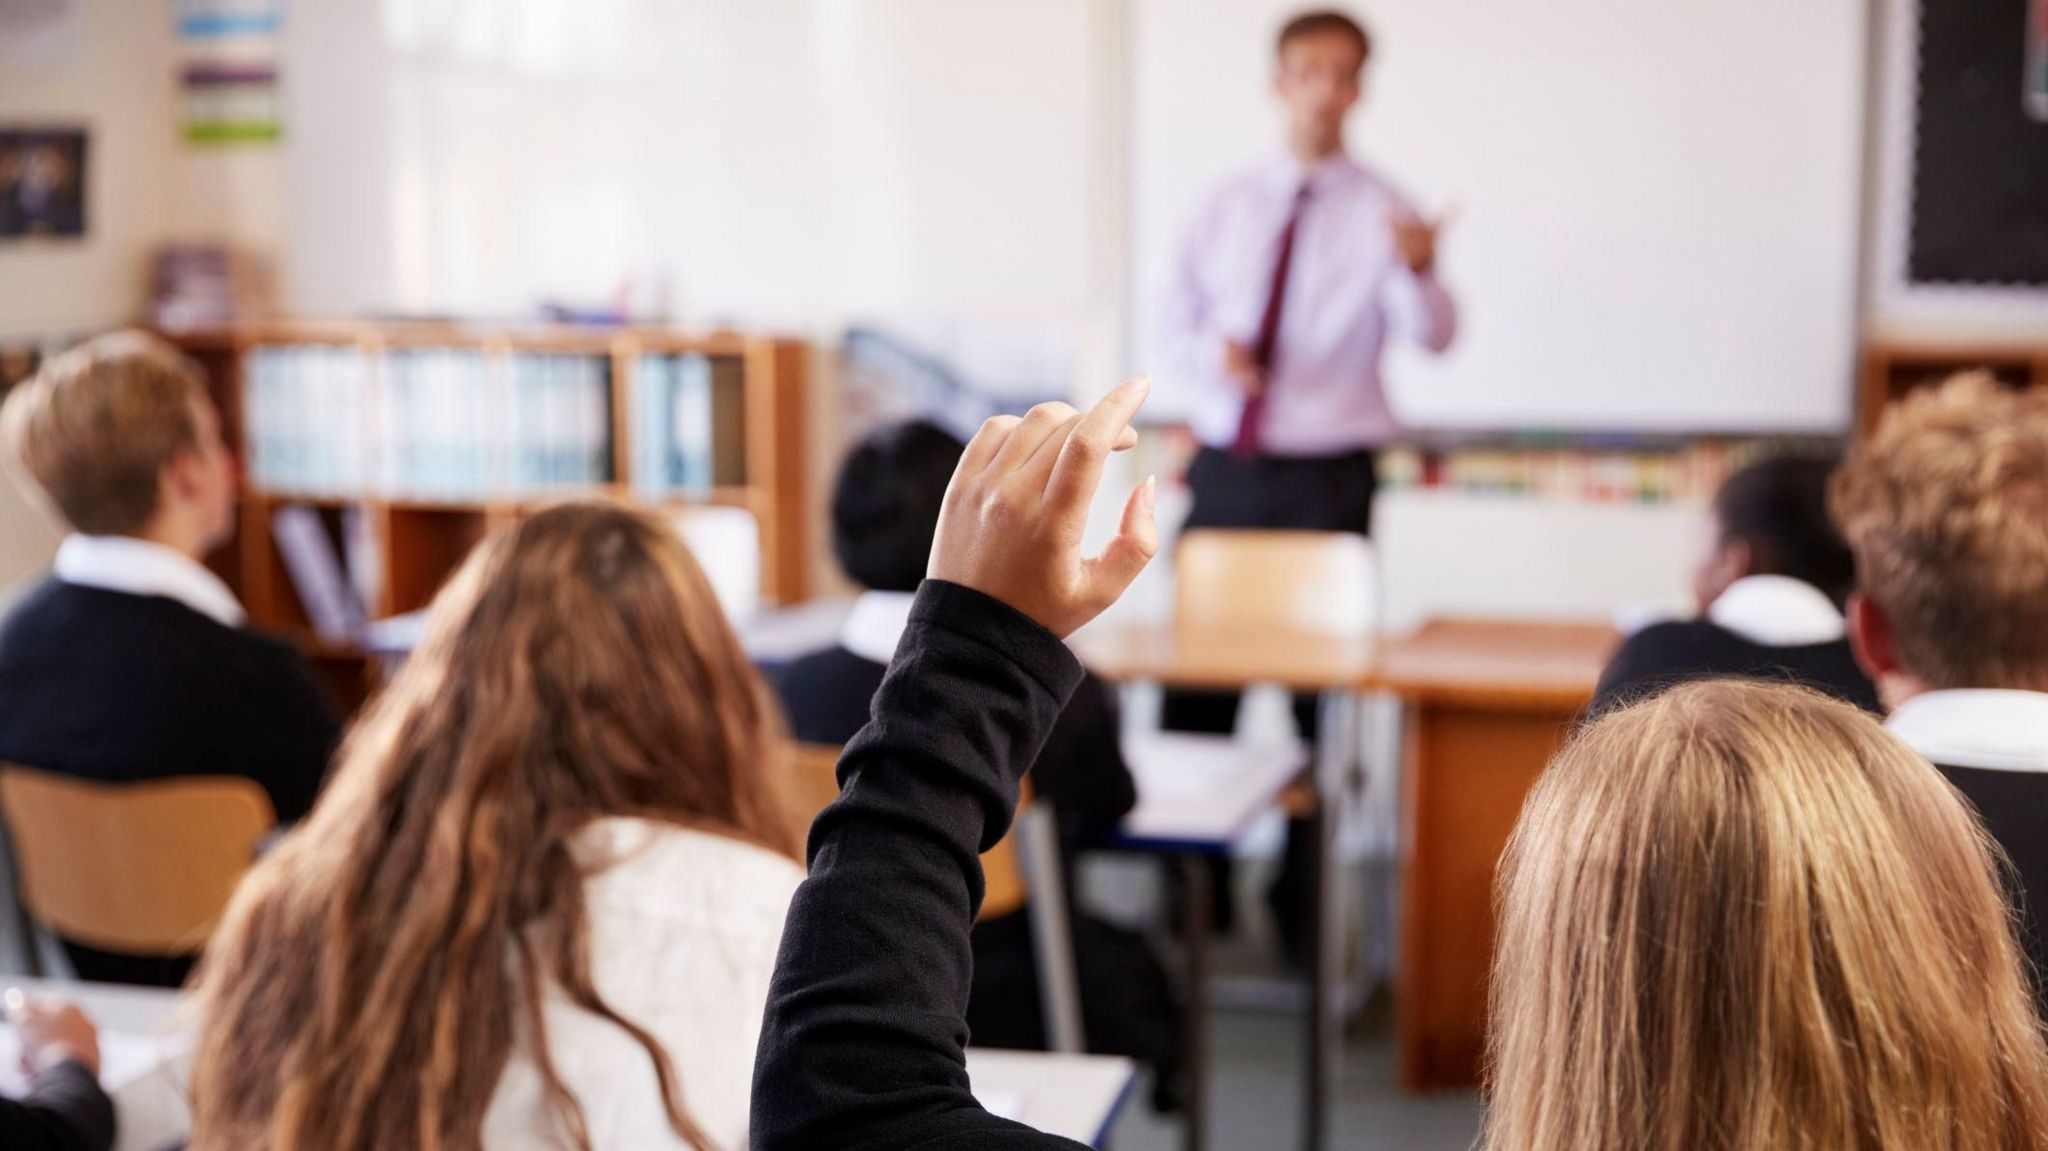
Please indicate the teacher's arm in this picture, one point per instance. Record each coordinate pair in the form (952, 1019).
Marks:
(864, 1043)
(1415, 302)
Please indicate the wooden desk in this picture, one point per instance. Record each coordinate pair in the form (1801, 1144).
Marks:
(1225, 659)
(1487, 705)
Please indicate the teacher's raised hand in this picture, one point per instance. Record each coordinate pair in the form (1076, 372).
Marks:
(1013, 516)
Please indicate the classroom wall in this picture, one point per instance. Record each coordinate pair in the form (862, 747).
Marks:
(119, 89)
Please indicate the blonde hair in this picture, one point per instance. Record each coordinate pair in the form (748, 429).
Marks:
(375, 973)
(94, 428)
(1740, 917)
(1946, 508)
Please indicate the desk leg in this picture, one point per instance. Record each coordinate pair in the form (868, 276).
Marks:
(1326, 959)
(1469, 768)
(1194, 873)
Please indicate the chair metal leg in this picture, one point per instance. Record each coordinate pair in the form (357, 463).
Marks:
(1052, 929)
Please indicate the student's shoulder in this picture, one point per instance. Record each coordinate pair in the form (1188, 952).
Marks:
(652, 870)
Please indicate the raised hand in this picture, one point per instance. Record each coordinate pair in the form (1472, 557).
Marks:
(1012, 520)
(1415, 239)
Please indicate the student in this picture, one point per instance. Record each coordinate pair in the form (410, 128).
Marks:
(1946, 508)
(863, 1045)
(65, 1110)
(885, 509)
(1742, 916)
(539, 904)
(1771, 589)
(132, 661)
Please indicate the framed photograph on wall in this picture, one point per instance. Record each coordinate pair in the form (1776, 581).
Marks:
(42, 182)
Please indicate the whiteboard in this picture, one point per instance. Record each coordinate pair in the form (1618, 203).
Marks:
(1657, 200)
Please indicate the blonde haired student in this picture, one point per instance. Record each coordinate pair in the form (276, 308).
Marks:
(1744, 916)
(134, 661)
(539, 904)
(1946, 509)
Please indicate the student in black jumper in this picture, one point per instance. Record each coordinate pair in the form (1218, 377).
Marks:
(1946, 508)
(885, 510)
(865, 1034)
(65, 1110)
(1771, 589)
(132, 661)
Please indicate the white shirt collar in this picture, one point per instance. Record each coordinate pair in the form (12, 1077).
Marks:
(139, 567)
(1778, 611)
(1995, 730)
(876, 623)
(1287, 173)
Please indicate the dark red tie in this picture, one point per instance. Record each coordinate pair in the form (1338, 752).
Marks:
(1267, 341)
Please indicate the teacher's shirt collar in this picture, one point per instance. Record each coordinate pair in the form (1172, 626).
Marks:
(1288, 174)
(138, 567)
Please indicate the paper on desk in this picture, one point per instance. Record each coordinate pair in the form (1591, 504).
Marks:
(1002, 1104)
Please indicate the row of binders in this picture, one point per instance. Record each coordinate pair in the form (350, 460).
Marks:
(447, 423)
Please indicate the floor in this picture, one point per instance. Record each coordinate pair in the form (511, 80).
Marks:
(1255, 1095)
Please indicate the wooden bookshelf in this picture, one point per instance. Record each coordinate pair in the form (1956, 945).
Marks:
(420, 538)
(1891, 369)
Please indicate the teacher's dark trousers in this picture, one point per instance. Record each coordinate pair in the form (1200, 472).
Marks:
(1311, 493)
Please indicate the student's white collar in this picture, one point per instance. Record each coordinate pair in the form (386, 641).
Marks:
(1995, 730)
(139, 567)
(876, 624)
(1778, 611)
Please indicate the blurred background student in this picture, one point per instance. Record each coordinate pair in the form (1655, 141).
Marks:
(1772, 585)
(885, 511)
(1946, 507)
(133, 661)
(539, 905)
(1721, 897)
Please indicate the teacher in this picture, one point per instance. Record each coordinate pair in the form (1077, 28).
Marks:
(1293, 279)
(1288, 288)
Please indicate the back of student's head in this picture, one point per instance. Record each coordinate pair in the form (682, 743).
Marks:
(373, 973)
(95, 428)
(1744, 917)
(1777, 508)
(1946, 508)
(885, 507)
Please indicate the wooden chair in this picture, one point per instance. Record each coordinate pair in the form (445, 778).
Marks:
(1320, 582)
(143, 868)
(1011, 878)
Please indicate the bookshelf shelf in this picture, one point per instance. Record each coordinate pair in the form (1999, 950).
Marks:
(1891, 369)
(410, 441)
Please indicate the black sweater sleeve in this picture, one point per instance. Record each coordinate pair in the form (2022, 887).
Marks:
(67, 1111)
(865, 1037)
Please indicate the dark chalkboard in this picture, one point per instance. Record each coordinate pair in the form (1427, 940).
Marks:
(1980, 160)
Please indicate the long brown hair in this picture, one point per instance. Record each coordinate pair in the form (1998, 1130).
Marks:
(1739, 917)
(375, 973)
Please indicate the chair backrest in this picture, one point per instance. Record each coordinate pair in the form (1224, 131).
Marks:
(145, 868)
(1320, 582)
(817, 784)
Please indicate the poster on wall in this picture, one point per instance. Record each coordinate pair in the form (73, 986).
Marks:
(228, 90)
(42, 182)
(1979, 193)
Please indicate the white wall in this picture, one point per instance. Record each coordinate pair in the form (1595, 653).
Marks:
(787, 163)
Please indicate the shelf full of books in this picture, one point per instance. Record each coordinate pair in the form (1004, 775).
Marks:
(376, 455)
